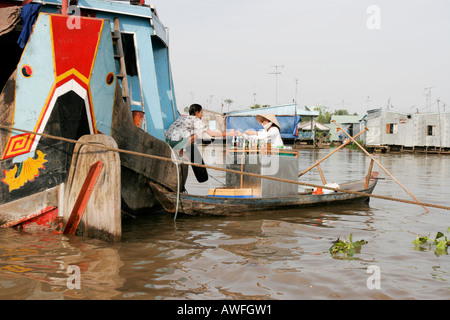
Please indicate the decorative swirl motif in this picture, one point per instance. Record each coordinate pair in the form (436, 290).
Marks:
(29, 169)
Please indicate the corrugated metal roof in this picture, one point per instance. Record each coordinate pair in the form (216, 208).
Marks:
(307, 126)
(346, 119)
(282, 110)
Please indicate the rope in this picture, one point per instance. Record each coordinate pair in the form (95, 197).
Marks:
(232, 171)
(178, 183)
(223, 184)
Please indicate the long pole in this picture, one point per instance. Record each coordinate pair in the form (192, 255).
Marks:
(328, 155)
(378, 163)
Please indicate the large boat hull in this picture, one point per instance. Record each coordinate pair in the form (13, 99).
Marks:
(66, 86)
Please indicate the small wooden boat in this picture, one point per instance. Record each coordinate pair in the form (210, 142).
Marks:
(234, 206)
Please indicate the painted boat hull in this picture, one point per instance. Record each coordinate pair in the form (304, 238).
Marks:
(64, 89)
(223, 206)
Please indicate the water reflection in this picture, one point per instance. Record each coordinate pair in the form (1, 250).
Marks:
(39, 262)
(270, 255)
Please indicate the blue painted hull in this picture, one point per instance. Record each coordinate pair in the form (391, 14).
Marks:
(69, 82)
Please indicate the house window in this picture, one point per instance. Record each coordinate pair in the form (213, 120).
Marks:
(431, 130)
(391, 128)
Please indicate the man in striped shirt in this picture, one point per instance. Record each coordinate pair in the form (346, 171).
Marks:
(183, 133)
(186, 129)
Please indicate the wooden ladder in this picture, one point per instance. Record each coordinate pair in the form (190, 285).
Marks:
(119, 55)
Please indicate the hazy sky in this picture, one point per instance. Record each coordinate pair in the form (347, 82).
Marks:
(347, 54)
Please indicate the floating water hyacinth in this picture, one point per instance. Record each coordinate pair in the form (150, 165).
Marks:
(440, 241)
(346, 248)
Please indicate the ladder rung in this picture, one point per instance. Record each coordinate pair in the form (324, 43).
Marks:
(117, 41)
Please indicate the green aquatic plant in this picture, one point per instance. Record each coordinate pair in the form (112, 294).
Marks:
(441, 242)
(346, 248)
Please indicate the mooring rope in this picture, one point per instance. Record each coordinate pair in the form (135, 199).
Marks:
(177, 165)
(306, 184)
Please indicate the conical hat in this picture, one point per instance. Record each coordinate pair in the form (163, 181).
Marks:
(269, 116)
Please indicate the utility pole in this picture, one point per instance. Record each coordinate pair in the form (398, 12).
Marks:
(296, 84)
(428, 95)
(368, 101)
(440, 131)
(211, 97)
(276, 72)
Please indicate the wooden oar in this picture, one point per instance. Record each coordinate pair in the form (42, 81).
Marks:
(376, 161)
(339, 148)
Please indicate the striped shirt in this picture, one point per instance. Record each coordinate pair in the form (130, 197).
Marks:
(184, 127)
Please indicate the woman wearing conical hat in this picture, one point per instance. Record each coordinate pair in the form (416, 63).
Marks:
(271, 129)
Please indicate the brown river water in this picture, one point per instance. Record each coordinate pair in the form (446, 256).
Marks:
(272, 255)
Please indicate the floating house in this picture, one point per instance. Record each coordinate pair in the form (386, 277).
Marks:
(214, 121)
(420, 132)
(321, 132)
(350, 123)
(288, 116)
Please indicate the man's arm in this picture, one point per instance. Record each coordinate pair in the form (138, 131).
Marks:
(251, 132)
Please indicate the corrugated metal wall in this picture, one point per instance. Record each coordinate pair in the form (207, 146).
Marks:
(409, 130)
